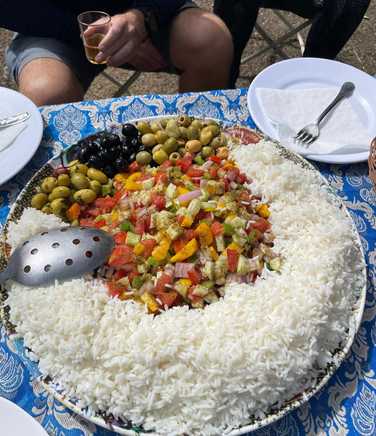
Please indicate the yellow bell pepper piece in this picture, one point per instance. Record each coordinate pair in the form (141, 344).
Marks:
(121, 177)
(138, 249)
(150, 302)
(187, 251)
(205, 234)
(263, 210)
(131, 183)
(187, 221)
(160, 252)
(114, 216)
(234, 246)
(180, 191)
(213, 253)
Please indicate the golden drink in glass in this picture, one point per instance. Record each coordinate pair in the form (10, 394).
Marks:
(94, 26)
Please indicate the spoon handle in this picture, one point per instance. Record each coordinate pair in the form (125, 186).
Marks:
(346, 89)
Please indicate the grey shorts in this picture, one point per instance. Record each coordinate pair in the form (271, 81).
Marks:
(24, 49)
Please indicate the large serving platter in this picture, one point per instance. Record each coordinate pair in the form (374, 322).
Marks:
(126, 428)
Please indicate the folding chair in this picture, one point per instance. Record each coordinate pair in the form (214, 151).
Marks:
(276, 45)
(123, 88)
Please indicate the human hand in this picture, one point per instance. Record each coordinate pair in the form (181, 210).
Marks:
(127, 42)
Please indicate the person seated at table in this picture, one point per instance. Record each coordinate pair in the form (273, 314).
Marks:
(334, 21)
(47, 60)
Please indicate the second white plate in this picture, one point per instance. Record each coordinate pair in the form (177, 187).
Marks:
(317, 73)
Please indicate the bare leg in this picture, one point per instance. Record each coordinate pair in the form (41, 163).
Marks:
(49, 81)
(201, 47)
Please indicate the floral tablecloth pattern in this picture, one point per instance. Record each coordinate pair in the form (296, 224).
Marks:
(347, 405)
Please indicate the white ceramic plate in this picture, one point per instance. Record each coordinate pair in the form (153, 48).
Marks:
(18, 154)
(317, 73)
(16, 422)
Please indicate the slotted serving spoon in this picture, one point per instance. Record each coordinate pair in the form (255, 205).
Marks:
(61, 254)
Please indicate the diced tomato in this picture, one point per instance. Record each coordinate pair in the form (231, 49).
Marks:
(114, 289)
(147, 219)
(119, 274)
(149, 245)
(242, 178)
(192, 297)
(213, 172)
(133, 167)
(93, 211)
(217, 228)
(194, 276)
(161, 178)
(139, 227)
(261, 224)
(121, 255)
(232, 260)
(120, 237)
(133, 218)
(194, 172)
(215, 159)
(164, 279)
(132, 274)
(178, 245)
(105, 203)
(165, 165)
(227, 185)
(99, 224)
(158, 201)
(169, 298)
(87, 222)
(189, 234)
(185, 162)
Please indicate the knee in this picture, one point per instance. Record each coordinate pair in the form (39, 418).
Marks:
(208, 43)
(45, 87)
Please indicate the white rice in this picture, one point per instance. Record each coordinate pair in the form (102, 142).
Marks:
(204, 372)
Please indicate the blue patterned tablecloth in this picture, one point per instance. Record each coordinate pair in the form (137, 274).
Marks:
(347, 405)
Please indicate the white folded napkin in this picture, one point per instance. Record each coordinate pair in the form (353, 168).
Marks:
(9, 134)
(341, 132)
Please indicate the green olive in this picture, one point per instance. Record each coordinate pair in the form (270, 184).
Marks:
(143, 127)
(160, 156)
(224, 140)
(59, 192)
(149, 139)
(46, 208)
(63, 180)
(216, 142)
(206, 135)
(79, 181)
(174, 156)
(197, 124)
(214, 128)
(206, 151)
(172, 129)
(193, 146)
(184, 120)
(192, 132)
(164, 122)
(155, 126)
(96, 186)
(98, 175)
(170, 145)
(183, 132)
(156, 148)
(48, 184)
(39, 200)
(143, 157)
(58, 206)
(161, 136)
(85, 196)
(182, 151)
(78, 168)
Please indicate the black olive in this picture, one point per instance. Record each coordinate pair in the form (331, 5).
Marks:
(120, 164)
(133, 143)
(84, 154)
(129, 130)
(109, 170)
(95, 161)
(110, 140)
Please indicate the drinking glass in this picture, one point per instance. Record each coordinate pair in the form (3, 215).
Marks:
(94, 26)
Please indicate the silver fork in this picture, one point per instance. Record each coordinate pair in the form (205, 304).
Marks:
(311, 132)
